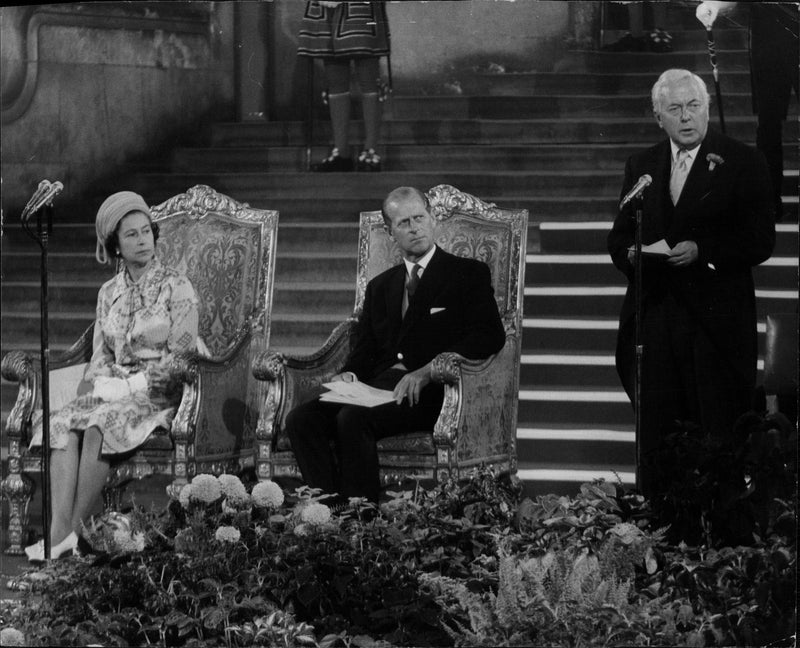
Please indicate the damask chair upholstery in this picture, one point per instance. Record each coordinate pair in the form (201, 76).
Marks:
(477, 423)
(227, 250)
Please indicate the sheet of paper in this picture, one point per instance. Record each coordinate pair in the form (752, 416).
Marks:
(659, 248)
(355, 393)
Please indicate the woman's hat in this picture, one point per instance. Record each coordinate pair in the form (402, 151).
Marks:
(111, 212)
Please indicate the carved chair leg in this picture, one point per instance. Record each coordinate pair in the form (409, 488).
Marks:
(112, 496)
(176, 486)
(17, 488)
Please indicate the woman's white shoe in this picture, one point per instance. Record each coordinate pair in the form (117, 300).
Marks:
(35, 552)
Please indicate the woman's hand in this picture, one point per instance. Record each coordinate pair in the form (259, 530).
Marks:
(158, 378)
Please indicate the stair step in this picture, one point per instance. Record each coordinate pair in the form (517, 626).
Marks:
(376, 186)
(64, 326)
(545, 478)
(566, 369)
(583, 451)
(578, 237)
(317, 266)
(513, 83)
(594, 269)
(608, 62)
(509, 131)
(574, 406)
(545, 106)
(455, 157)
(510, 184)
(330, 298)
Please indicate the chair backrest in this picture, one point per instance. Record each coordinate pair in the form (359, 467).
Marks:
(467, 227)
(227, 250)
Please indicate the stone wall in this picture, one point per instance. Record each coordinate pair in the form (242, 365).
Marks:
(87, 88)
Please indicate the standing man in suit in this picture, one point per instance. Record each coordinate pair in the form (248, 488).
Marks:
(431, 303)
(710, 200)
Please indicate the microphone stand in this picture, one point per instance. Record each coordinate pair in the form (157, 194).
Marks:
(44, 227)
(638, 342)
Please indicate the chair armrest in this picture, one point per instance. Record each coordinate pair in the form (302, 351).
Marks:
(210, 385)
(18, 367)
(25, 368)
(487, 426)
(294, 379)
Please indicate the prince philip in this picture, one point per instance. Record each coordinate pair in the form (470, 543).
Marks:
(430, 303)
(710, 205)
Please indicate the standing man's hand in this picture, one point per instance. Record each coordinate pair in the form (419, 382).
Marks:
(411, 385)
(683, 254)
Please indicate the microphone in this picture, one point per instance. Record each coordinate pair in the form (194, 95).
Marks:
(44, 195)
(637, 189)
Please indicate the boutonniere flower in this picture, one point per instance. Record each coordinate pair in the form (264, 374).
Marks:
(714, 160)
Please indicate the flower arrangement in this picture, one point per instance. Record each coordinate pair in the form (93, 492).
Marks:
(469, 563)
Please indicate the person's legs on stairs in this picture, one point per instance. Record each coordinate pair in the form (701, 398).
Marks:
(660, 40)
(368, 74)
(337, 74)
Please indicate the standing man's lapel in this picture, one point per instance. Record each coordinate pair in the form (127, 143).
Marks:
(698, 179)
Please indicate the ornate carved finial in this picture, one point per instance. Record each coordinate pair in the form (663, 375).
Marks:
(268, 365)
(16, 366)
(198, 201)
(445, 199)
(445, 367)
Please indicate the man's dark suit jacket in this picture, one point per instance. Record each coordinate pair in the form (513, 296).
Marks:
(729, 212)
(453, 309)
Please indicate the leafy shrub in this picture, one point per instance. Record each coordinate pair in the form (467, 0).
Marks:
(465, 564)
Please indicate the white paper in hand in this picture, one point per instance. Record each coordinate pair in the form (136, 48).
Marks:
(659, 248)
(355, 393)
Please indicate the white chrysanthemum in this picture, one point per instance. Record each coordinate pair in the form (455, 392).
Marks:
(301, 530)
(267, 494)
(206, 488)
(127, 542)
(316, 514)
(11, 637)
(227, 534)
(233, 489)
(626, 532)
(185, 496)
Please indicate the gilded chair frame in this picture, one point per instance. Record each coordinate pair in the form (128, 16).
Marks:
(472, 429)
(214, 427)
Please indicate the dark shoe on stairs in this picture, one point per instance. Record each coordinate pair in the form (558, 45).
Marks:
(660, 41)
(628, 43)
(334, 163)
(368, 160)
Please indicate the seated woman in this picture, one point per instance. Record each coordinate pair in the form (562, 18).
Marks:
(145, 314)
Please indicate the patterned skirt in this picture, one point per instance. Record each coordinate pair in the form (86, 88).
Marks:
(351, 30)
(126, 424)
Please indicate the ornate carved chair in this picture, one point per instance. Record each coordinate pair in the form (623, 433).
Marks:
(477, 423)
(227, 249)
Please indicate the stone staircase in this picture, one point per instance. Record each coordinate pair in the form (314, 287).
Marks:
(552, 142)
